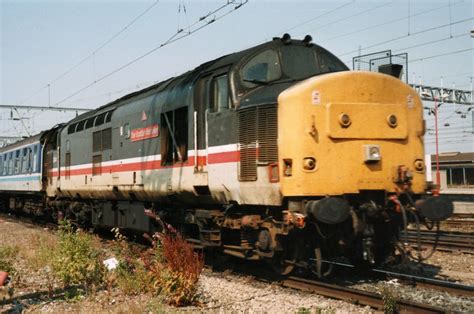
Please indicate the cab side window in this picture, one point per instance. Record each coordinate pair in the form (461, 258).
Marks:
(220, 94)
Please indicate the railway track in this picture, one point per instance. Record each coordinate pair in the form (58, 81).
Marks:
(357, 296)
(459, 223)
(448, 241)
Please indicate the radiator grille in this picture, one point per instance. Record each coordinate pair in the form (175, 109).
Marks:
(257, 139)
(267, 134)
(248, 144)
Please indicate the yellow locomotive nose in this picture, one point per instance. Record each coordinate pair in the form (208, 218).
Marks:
(344, 132)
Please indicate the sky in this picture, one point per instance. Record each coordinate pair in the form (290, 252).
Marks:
(69, 45)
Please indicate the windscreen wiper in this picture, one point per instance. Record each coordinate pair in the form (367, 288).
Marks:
(255, 81)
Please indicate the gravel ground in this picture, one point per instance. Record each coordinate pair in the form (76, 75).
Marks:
(230, 293)
(219, 293)
(440, 299)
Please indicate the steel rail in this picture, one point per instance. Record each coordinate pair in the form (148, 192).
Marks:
(430, 283)
(356, 296)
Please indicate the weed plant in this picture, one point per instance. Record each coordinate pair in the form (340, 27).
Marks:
(77, 260)
(169, 269)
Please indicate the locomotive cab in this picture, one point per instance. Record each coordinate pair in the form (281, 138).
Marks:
(351, 157)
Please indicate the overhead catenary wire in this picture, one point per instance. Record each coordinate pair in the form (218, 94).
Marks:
(94, 52)
(180, 34)
(316, 17)
(432, 42)
(442, 55)
(387, 23)
(350, 16)
(206, 19)
(405, 36)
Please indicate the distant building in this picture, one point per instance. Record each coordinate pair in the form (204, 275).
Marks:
(456, 170)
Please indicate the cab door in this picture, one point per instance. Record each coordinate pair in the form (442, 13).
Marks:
(200, 135)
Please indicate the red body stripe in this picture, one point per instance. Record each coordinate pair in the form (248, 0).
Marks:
(216, 158)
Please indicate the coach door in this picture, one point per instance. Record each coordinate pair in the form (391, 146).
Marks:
(200, 137)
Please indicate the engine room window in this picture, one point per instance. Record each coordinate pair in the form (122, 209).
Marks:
(99, 120)
(90, 123)
(263, 68)
(220, 89)
(174, 136)
(108, 116)
(80, 126)
(71, 129)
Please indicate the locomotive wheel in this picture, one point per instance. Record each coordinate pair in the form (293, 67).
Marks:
(281, 265)
(318, 270)
(284, 262)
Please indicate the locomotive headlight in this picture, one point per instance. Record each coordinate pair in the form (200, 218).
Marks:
(372, 153)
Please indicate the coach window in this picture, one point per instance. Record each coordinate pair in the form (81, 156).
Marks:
(4, 164)
(263, 68)
(1, 164)
(30, 160)
(35, 158)
(10, 163)
(220, 88)
(24, 161)
(17, 165)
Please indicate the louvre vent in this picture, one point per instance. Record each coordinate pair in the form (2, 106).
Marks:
(267, 134)
(248, 144)
(257, 139)
(107, 139)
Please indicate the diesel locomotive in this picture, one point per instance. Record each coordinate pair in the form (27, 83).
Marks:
(277, 153)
